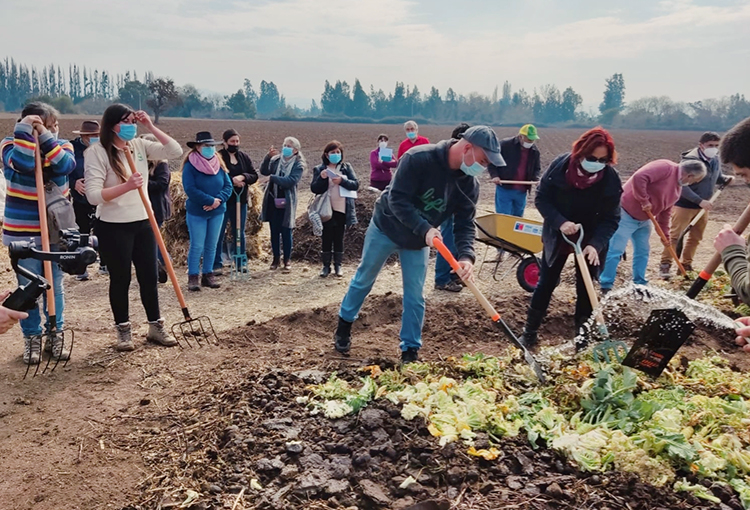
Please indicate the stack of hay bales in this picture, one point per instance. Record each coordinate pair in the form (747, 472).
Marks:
(175, 229)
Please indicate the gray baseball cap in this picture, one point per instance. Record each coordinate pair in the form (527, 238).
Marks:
(485, 138)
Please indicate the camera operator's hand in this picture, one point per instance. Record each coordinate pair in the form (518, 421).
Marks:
(135, 181)
(8, 317)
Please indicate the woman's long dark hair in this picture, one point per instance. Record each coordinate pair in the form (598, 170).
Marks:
(113, 115)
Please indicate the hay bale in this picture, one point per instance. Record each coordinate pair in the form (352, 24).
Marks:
(306, 245)
(175, 230)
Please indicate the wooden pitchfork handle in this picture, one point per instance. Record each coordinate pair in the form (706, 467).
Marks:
(159, 239)
(666, 242)
(44, 227)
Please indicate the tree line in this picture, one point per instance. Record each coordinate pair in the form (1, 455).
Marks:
(78, 89)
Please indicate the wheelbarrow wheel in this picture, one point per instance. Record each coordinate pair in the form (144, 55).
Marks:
(527, 273)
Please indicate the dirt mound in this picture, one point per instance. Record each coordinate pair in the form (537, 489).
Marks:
(307, 245)
(175, 229)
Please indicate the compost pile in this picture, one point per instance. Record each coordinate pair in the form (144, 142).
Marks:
(175, 231)
(306, 245)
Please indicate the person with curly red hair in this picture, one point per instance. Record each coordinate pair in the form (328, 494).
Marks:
(580, 188)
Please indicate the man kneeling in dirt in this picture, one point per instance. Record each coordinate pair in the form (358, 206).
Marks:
(433, 183)
(735, 152)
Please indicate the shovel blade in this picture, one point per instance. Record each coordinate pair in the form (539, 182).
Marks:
(661, 337)
(198, 329)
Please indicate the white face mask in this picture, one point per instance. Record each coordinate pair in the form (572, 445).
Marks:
(382, 145)
(711, 152)
(527, 145)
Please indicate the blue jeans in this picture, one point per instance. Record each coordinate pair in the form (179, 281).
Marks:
(230, 218)
(629, 228)
(378, 247)
(278, 230)
(443, 275)
(204, 235)
(32, 325)
(510, 201)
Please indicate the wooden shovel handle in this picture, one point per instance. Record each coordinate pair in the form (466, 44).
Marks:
(159, 239)
(589, 284)
(666, 242)
(44, 226)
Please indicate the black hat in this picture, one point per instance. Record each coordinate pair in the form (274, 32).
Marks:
(203, 138)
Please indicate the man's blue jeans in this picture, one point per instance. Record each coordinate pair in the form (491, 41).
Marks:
(230, 218)
(443, 270)
(510, 201)
(378, 247)
(629, 228)
(204, 236)
(32, 325)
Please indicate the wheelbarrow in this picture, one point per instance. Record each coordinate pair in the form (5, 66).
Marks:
(520, 237)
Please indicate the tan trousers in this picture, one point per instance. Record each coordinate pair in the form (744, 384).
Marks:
(681, 218)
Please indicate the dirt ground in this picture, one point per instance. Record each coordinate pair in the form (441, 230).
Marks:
(108, 428)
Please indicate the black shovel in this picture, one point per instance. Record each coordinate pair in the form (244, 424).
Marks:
(661, 337)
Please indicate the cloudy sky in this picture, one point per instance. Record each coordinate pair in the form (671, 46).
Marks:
(686, 49)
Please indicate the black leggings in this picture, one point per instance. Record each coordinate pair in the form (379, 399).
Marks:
(123, 244)
(333, 233)
(549, 277)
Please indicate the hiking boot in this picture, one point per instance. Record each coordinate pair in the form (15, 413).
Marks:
(342, 338)
(59, 351)
(275, 264)
(529, 338)
(157, 334)
(287, 265)
(410, 355)
(338, 258)
(124, 338)
(605, 291)
(325, 257)
(218, 271)
(82, 277)
(208, 280)
(194, 283)
(664, 270)
(451, 286)
(32, 349)
(687, 267)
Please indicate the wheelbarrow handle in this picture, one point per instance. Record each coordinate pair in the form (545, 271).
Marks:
(159, 239)
(577, 243)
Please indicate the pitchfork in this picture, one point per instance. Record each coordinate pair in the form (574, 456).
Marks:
(240, 271)
(200, 328)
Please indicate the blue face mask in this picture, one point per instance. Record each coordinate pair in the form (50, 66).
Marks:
(412, 135)
(334, 158)
(475, 169)
(287, 152)
(208, 152)
(592, 167)
(127, 132)
(93, 140)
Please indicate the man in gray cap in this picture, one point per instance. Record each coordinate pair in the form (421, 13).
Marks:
(432, 183)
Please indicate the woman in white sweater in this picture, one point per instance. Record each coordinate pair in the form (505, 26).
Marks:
(122, 226)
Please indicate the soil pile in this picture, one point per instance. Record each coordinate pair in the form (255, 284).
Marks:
(175, 229)
(306, 245)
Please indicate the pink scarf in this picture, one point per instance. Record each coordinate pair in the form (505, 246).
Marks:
(203, 165)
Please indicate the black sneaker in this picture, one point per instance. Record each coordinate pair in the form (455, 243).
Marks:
(342, 338)
(410, 355)
(451, 286)
(605, 291)
(163, 278)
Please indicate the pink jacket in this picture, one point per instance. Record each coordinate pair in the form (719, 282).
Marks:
(656, 183)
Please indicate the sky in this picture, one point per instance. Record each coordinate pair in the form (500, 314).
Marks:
(686, 49)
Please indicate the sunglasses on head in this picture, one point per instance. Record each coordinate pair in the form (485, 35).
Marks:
(592, 159)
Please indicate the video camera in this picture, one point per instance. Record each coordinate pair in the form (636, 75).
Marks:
(79, 252)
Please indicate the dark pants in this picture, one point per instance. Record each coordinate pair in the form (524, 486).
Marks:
(230, 218)
(279, 231)
(549, 277)
(443, 275)
(85, 216)
(123, 244)
(333, 233)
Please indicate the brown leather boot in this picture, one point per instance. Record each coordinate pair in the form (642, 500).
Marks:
(194, 283)
(209, 280)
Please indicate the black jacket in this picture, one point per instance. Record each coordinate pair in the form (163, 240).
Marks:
(511, 149)
(77, 173)
(349, 181)
(158, 191)
(693, 195)
(597, 208)
(245, 168)
(425, 192)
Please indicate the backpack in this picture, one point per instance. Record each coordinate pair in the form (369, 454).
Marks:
(60, 214)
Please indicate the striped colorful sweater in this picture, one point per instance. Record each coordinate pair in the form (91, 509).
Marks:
(21, 210)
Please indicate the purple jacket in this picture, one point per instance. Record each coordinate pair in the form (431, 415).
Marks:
(380, 170)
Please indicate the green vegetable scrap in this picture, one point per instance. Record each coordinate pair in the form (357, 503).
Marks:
(601, 417)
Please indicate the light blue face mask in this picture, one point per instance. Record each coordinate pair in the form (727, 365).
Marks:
(592, 167)
(208, 152)
(287, 152)
(334, 158)
(411, 134)
(93, 140)
(475, 169)
(127, 132)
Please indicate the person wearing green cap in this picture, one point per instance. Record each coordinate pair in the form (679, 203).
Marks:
(523, 163)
